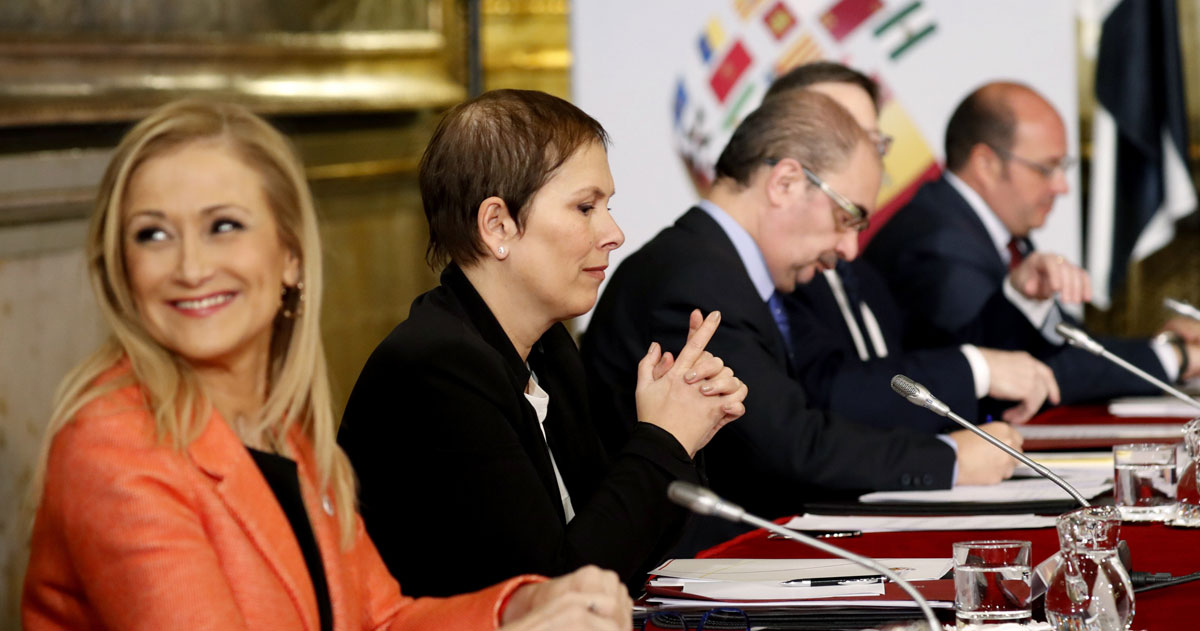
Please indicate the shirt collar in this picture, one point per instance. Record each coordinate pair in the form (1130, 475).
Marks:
(747, 249)
(995, 228)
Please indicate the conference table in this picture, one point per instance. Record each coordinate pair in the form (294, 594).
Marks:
(1153, 547)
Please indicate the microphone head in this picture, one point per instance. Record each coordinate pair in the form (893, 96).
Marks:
(918, 395)
(702, 501)
(1077, 338)
(906, 387)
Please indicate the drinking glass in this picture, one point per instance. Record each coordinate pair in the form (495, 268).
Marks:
(991, 582)
(1144, 481)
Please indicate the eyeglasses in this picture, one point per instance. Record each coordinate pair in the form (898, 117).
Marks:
(720, 618)
(882, 141)
(1045, 170)
(852, 217)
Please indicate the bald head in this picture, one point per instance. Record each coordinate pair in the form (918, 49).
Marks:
(990, 116)
(1008, 143)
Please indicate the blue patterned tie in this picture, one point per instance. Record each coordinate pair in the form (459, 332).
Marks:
(775, 302)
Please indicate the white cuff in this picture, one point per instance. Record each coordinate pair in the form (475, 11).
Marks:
(979, 369)
(1038, 312)
(953, 445)
(1168, 354)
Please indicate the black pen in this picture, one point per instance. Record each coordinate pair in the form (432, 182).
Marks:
(835, 581)
(822, 534)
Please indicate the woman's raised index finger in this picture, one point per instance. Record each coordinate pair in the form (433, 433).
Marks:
(697, 340)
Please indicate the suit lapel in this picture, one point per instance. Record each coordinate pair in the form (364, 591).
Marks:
(525, 422)
(240, 484)
(983, 249)
(738, 283)
(326, 531)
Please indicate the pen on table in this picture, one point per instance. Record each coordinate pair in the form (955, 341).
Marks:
(835, 581)
(823, 534)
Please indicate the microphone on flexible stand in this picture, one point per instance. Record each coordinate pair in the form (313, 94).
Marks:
(702, 501)
(918, 395)
(1077, 338)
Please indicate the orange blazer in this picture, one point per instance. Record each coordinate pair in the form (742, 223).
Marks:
(133, 534)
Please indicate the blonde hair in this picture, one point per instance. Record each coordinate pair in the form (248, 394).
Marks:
(298, 383)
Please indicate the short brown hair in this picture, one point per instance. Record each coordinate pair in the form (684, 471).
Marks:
(806, 126)
(808, 75)
(503, 143)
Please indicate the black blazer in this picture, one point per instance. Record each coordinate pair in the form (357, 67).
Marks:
(836, 378)
(942, 265)
(782, 452)
(457, 488)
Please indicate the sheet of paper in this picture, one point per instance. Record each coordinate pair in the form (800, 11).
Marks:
(781, 570)
(1152, 406)
(820, 602)
(723, 590)
(1029, 490)
(887, 523)
(1073, 465)
(1118, 431)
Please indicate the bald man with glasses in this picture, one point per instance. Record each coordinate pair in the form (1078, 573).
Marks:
(959, 258)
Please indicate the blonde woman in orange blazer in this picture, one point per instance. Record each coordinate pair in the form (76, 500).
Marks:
(191, 479)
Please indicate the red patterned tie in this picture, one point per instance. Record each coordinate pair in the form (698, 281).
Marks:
(1015, 255)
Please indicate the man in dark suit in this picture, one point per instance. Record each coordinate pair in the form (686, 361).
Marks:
(793, 185)
(959, 257)
(850, 330)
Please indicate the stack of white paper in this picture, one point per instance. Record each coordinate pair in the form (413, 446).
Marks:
(777, 580)
(1029, 490)
(890, 523)
(1160, 406)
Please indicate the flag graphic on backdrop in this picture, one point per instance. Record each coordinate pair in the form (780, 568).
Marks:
(904, 28)
(845, 16)
(1139, 181)
(741, 57)
(711, 40)
(909, 164)
(745, 8)
(804, 50)
(731, 69)
(779, 20)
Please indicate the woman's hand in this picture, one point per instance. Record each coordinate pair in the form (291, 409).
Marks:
(589, 599)
(691, 396)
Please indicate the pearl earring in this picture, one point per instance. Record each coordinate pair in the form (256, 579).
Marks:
(501, 251)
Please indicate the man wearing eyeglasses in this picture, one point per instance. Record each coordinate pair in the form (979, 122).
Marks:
(794, 185)
(959, 258)
(849, 330)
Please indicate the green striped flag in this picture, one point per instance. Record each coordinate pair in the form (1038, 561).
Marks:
(900, 31)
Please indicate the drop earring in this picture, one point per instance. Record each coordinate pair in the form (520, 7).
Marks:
(296, 307)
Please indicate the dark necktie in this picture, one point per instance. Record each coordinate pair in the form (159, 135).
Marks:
(775, 304)
(1016, 252)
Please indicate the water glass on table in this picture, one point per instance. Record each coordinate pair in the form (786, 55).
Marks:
(991, 582)
(1144, 481)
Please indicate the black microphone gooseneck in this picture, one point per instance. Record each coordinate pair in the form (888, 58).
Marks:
(1077, 338)
(704, 502)
(918, 395)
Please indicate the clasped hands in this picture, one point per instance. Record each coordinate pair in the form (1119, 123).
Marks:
(694, 395)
